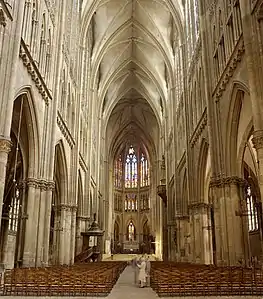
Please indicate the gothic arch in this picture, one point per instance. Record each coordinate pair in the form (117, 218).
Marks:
(242, 148)
(32, 130)
(184, 194)
(80, 204)
(61, 173)
(202, 163)
(239, 91)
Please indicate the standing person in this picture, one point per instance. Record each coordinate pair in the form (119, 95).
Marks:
(142, 273)
(135, 269)
(148, 271)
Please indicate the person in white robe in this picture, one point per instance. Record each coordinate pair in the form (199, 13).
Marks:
(148, 270)
(142, 273)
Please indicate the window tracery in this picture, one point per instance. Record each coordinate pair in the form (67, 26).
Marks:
(144, 179)
(131, 232)
(131, 203)
(118, 172)
(131, 169)
(252, 212)
(14, 211)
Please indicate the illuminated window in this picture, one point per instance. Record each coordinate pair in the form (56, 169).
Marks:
(14, 211)
(118, 173)
(144, 179)
(131, 230)
(251, 211)
(131, 204)
(131, 169)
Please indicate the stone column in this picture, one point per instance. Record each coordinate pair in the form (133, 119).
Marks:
(180, 239)
(60, 227)
(9, 249)
(31, 227)
(231, 239)
(258, 145)
(78, 236)
(253, 48)
(46, 228)
(5, 148)
(200, 233)
(172, 230)
(73, 234)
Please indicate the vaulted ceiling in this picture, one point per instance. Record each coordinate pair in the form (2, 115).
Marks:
(133, 61)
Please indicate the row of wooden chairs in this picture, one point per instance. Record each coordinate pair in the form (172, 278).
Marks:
(182, 279)
(89, 279)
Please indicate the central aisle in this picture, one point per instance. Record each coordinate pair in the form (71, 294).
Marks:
(125, 288)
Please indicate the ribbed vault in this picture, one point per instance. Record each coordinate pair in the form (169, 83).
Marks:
(132, 62)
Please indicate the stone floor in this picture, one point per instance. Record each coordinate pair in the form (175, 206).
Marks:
(126, 289)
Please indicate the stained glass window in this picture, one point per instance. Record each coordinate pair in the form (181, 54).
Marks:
(14, 211)
(131, 169)
(144, 171)
(131, 204)
(131, 231)
(251, 211)
(118, 173)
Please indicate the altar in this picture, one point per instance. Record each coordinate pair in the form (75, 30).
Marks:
(131, 246)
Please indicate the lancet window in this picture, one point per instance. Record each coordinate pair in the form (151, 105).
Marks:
(118, 173)
(133, 172)
(131, 231)
(131, 203)
(252, 212)
(131, 169)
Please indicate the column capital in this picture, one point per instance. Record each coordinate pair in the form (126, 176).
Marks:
(258, 139)
(40, 184)
(227, 181)
(198, 207)
(5, 145)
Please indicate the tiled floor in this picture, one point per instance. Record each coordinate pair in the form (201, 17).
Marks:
(126, 289)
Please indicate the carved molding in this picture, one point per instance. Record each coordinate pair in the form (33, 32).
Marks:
(44, 185)
(161, 191)
(195, 58)
(212, 8)
(227, 181)
(199, 129)
(230, 69)
(199, 205)
(51, 5)
(32, 69)
(65, 131)
(66, 207)
(5, 145)
(258, 139)
(82, 163)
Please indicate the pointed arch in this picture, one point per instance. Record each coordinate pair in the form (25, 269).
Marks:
(131, 230)
(239, 90)
(202, 163)
(80, 199)
(184, 192)
(30, 118)
(61, 173)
